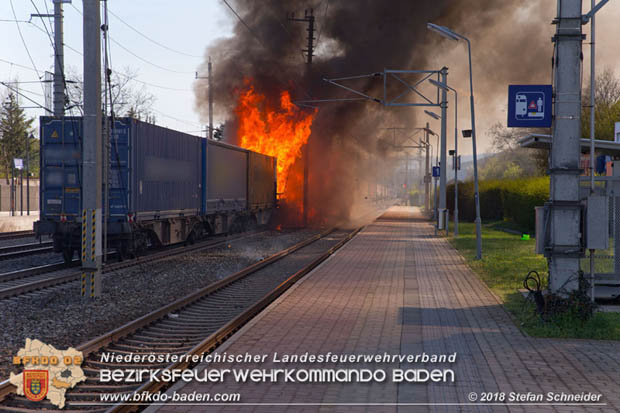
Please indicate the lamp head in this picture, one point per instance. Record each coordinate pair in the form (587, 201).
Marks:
(467, 133)
(438, 84)
(432, 114)
(442, 30)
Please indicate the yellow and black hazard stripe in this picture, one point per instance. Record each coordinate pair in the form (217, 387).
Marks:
(83, 234)
(84, 224)
(93, 242)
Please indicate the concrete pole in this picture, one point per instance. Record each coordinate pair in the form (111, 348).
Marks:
(478, 219)
(456, 163)
(427, 174)
(28, 174)
(210, 132)
(12, 197)
(91, 150)
(21, 191)
(592, 125)
(59, 62)
(106, 134)
(564, 248)
(444, 153)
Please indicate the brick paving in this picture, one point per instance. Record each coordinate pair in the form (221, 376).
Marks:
(397, 289)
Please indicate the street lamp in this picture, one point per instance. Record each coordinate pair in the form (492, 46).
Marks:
(445, 32)
(456, 151)
(432, 114)
(436, 216)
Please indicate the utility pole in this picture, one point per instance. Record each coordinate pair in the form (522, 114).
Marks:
(210, 86)
(564, 208)
(21, 191)
(59, 61)
(210, 133)
(443, 166)
(28, 140)
(308, 18)
(107, 128)
(427, 173)
(92, 150)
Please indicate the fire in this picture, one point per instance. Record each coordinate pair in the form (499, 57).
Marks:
(278, 130)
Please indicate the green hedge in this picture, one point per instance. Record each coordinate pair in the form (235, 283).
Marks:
(511, 200)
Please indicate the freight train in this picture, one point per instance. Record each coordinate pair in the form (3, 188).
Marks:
(163, 186)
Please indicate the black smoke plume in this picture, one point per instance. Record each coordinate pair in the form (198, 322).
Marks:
(511, 41)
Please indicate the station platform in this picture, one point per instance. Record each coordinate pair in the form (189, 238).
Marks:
(18, 222)
(397, 289)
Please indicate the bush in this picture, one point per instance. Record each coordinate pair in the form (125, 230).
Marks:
(512, 200)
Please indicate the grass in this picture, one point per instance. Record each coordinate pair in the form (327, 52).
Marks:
(506, 261)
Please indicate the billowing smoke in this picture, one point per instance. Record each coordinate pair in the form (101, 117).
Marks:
(511, 44)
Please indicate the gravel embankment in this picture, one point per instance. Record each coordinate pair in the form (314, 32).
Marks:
(64, 318)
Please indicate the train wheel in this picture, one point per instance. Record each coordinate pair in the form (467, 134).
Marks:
(67, 255)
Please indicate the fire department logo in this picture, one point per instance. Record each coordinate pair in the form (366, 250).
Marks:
(48, 372)
(36, 384)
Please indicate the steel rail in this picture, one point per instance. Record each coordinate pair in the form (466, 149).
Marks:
(75, 275)
(212, 341)
(16, 251)
(16, 234)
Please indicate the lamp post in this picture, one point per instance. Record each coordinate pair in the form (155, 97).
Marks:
(456, 151)
(436, 213)
(445, 32)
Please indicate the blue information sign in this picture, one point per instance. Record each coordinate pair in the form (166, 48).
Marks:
(436, 171)
(529, 106)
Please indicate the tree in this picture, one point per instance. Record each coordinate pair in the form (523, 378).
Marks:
(606, 106)
(506, 141)
(125, 97)
(15, 129)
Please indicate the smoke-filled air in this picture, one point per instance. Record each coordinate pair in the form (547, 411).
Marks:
(260, 73)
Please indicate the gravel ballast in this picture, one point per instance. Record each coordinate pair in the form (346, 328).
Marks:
(63, 318)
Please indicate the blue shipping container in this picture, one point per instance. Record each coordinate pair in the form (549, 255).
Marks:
(154, 172)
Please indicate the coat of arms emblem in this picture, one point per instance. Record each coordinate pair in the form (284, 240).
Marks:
(36, 384)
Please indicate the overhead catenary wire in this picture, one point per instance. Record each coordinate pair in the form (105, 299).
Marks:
(318, 37)
(185, 121)
(136, 55)
(151, 39)
(147, 61)
(25, 45)
(24, 96)
(18, 65)
(53, 44)
(261, 42)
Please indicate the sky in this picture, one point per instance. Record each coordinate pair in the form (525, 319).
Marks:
(189, 27)
(186, 26)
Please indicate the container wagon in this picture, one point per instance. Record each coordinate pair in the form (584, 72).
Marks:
(164, 186)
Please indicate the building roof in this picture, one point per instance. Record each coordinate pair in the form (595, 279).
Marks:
(538, 141)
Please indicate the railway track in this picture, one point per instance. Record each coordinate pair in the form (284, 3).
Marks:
(193, 325)
(22, 250)
(40, 279)
(16, 234)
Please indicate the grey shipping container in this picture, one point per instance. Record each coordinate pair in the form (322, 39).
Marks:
(261, 181)
(167, 174)
(226, 177)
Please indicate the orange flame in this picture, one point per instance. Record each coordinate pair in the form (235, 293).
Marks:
(276, 130)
